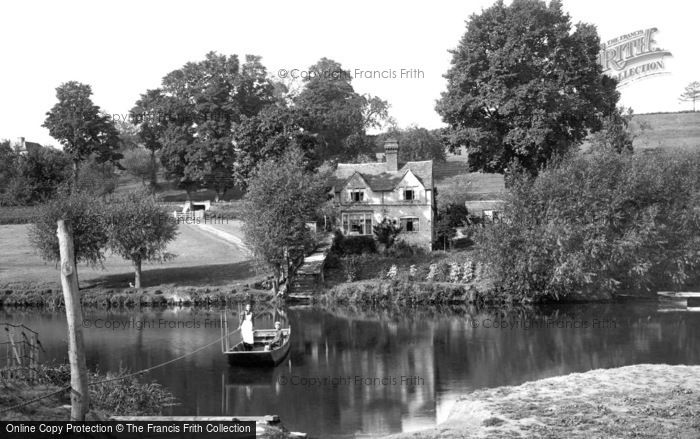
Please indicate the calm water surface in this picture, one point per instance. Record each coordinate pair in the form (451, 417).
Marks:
(353, 373)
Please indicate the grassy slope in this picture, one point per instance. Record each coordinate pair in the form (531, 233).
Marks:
(667, 130)
(203, 259)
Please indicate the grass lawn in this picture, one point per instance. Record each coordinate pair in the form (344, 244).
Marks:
(203, 258)
(668, 130)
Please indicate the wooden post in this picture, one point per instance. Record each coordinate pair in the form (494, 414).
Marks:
(32, 358)
(14, 349)
(74, 315)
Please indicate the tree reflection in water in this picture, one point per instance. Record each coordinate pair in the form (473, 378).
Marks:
(453, 350)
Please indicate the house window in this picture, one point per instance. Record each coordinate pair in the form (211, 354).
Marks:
(410, 194)
(357, 195)
(357, 223)
(410, 224)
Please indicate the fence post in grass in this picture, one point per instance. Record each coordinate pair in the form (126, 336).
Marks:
(74, 316)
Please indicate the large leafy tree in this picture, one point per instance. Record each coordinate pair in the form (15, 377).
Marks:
(31, 177)
(524, 86)
(10, 188)
(254, 91)
(282, 195)
(268, 135)
(148, 115)
(191, 117)
(209, 87)
(416, 143)
(139, 230)
(44, 169)
(333, 110)
(80, 126)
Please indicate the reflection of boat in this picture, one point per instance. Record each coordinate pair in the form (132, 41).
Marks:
(260, 354)
(249, 377)
(689, 301)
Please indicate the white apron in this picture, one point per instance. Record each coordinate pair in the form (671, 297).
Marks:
(247, 330)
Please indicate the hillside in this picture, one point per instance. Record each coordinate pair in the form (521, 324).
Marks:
(666, 130)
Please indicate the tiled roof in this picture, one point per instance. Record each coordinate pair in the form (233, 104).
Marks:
(379, 179)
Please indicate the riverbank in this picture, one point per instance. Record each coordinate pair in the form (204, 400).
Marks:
(132, 298)
(437, 278)
(106, 401)
(107, 396)
(212, 268)
(654, 401)
(381, 292)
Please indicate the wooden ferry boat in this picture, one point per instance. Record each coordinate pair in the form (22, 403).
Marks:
(260, 355)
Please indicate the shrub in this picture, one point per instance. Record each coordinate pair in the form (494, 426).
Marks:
(386, 232)
(403, 249)
(354, 245)
(97, 178)
(128, 396)
(18, 214)
(597, 224)
(350, 267)
(86, 215)
(139, 230)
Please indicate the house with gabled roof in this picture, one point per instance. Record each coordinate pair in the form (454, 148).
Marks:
(23, 147)
(367, 193)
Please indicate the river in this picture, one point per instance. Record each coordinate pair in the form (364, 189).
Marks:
(359, 373)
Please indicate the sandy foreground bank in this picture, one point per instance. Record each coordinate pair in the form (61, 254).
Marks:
(647, 401)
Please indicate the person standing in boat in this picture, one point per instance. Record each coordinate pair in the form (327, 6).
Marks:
(247, 331)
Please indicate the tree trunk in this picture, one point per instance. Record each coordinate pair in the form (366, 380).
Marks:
(80, 398)
(75, 172)
(77, 278)
(154, 171)
(285, 251)
(137, 273)
(276, 281)
(189, 197)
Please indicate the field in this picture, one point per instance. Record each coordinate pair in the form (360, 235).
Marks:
(666, 130)
(206, 255)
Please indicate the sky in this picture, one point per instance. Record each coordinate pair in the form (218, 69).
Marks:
(122, 48)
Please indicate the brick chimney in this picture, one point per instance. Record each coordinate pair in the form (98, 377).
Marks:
(21, 146)
(391, 151)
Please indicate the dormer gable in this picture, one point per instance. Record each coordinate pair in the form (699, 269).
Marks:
(410, 179)
(410, 188)
(356, 189)
(356, 181)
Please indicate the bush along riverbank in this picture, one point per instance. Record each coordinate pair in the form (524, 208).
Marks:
(126, 397)
(438, 279)
(129, 396)
(145, 297)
